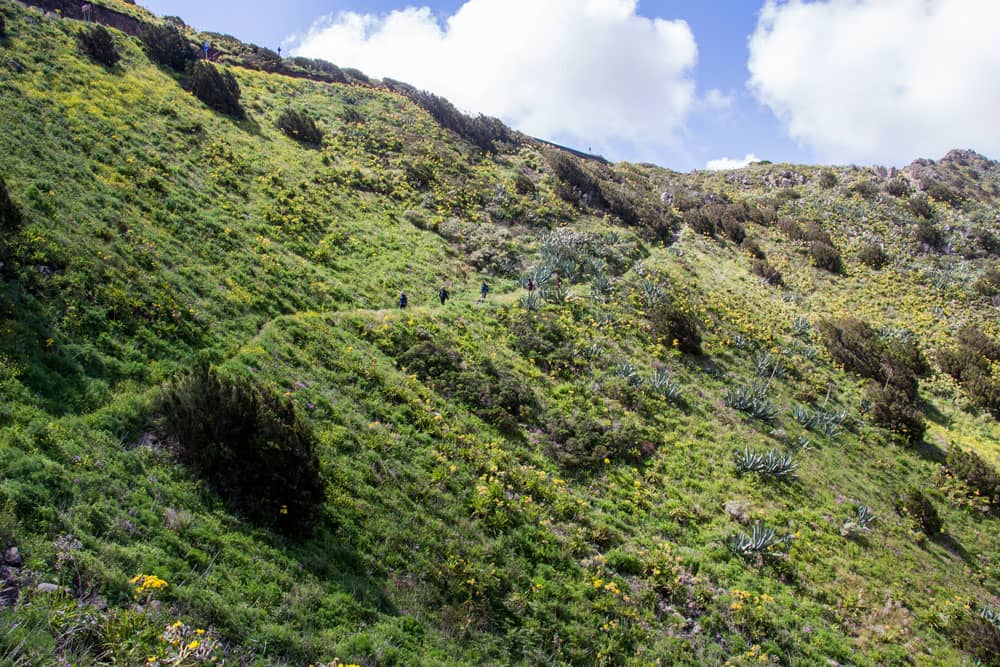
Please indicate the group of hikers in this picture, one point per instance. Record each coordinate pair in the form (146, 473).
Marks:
(444, 295)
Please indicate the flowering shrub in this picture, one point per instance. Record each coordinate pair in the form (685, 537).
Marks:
(147, 584)
(915, 505)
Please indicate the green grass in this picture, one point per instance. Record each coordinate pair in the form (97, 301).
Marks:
(159, 234)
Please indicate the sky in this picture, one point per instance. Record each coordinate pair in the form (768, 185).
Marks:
(686, 84)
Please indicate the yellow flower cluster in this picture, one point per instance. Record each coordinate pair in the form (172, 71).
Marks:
(145, 583)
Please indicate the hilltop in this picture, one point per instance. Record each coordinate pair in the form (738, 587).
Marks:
(744, 417)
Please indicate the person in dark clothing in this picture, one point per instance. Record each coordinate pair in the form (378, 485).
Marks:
(483, 291)
(531, 285)
(402, 300)
(443, 295)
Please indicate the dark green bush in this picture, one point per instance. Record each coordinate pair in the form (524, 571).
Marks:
(791, 229)
(97, 43)
(988, 284)
(938, 191)
(828, 179)
(921, 206)
(788, 194)
(763, 268)
(893, 408)
(752, 247)
(3, 27)
(976, 472)
(523, 184)
(984, 390)
(578, 439)
(675, 327)
(978, 636)
(825, 256)
(915, 505)
(542, 338)
(299, 126)
(988, 241)
(813, 233)
(249, 443)
(928, 235)
(10, 214)
(705, 220)
(218, 90)
(733, 228)
(167, 46)
(973, 338)
(854, 344)
(873, 255)
(864, 189)
(898, 187)
(575, 184)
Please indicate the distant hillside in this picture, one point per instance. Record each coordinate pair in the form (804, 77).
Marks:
(741, 417)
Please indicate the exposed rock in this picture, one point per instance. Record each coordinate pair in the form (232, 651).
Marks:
(49, 588)
(738, 511)
(12, 557)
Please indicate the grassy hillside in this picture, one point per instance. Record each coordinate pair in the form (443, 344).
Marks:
(196, 308)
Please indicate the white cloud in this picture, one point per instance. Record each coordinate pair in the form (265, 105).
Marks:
(731, 163)
(590, 72)
(881, 80)
(716, 100)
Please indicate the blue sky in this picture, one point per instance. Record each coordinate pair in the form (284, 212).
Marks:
(784, 80)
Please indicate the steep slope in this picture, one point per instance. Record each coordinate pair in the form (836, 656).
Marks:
(549, 477)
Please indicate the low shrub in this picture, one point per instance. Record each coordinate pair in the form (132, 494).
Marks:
(752, 247)
(976, 472)
(915, 505)
(249, 443)
(813, 233)
(988, 242)
(921, 206)
(974, 339)
(98, 44)
(675, 327)
(988, 284)
(578, 439)
(928, 235)
(825, 256)
(828, 179)
(733, 229)
(977, 635)
(893, 408)
(873, 255)
(791, 229)
(705, 220)
(3, 27)
(166, 45)
(299, 126)
(864, 189)
(218, 90)
(898, 187)
(763, 268)
(938, 191)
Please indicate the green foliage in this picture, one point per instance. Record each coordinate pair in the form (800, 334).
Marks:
(938, 191)
(167, 46)
(3, 27)
(928, 235)
(988, 284)
(218, 90)
(249, 443)
(825, 256)
(768, 273)
(919, 509)
(898, 187)
(873, 255)
(97, 43)
(751, 399)
(300, 126)
(828, 179)
(580, 439)
(969, 364)
(10, 214)
(976, 472)
(921, 206)
(676, 327)
(864, 189)
(979, 636)
(828, 422)
(893, 408)
(664, 386)
(760, 542)
(769, 463)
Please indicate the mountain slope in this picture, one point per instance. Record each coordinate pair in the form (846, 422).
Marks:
(540, 478)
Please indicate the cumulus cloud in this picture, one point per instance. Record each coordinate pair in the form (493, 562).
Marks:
(880, 80)
(590, 72)
(731, 163)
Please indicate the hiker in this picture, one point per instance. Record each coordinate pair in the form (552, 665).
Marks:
(483, 291)
(443, 295)
(87, 12)
(205, 47)
(402, 299)
(530, 285)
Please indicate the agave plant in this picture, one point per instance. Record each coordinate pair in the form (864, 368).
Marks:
(651, 292)
(557, 292)
(991, 615)
(828, 422)
(628, 371)
(804, 416)
(664, 386)
(770, 463)
(801, 326)
(531, 301)
(860, 524)
(741, 342)
(752, 400)
(600, 288)
(760, 540)
(767, 365)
